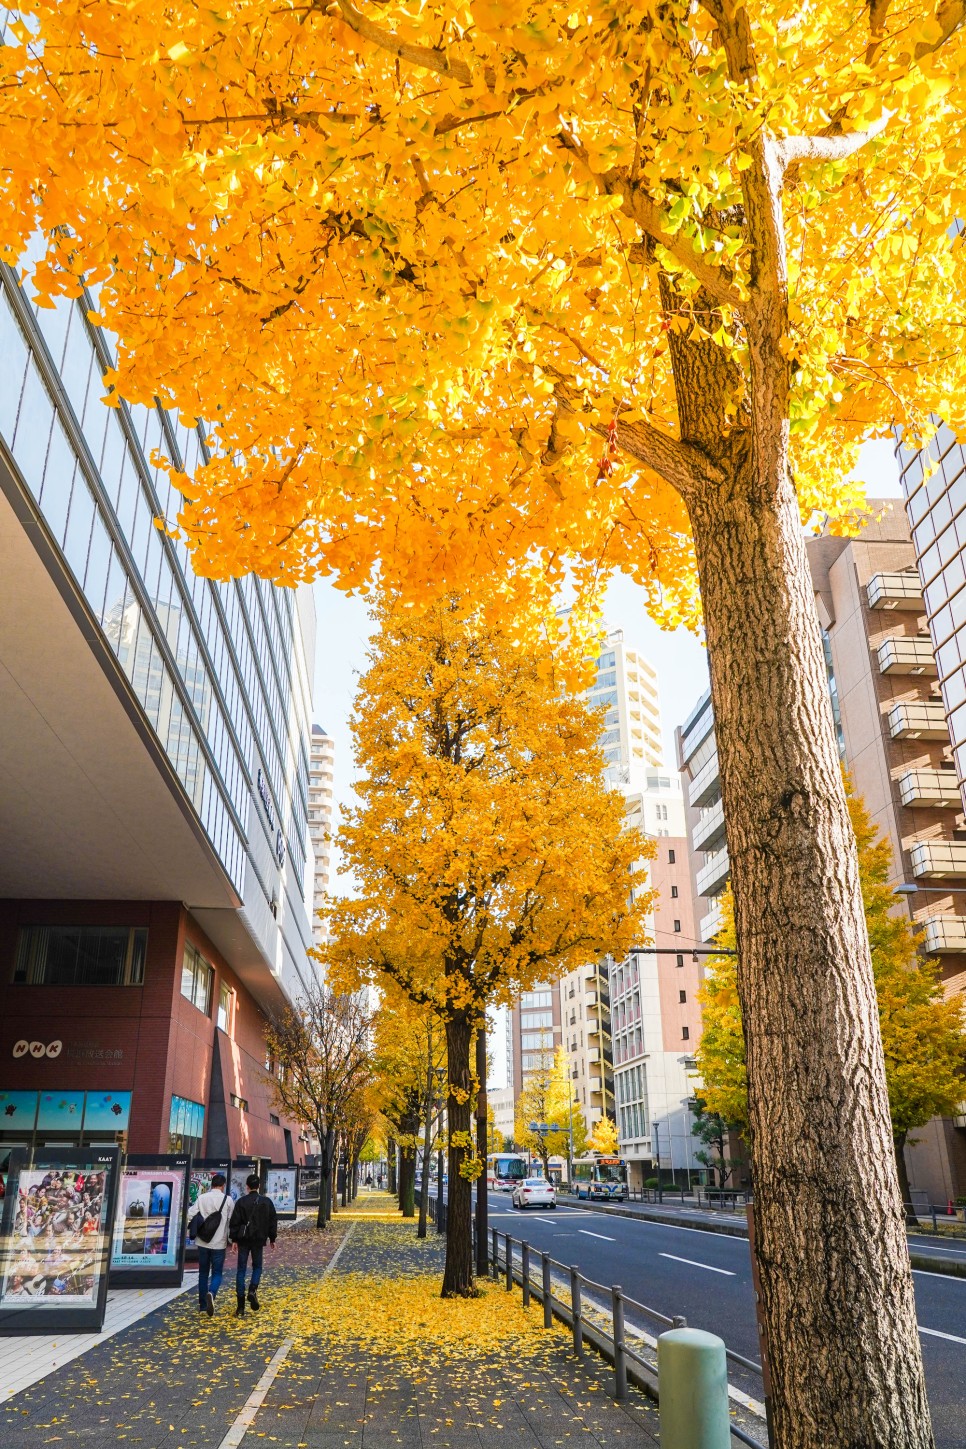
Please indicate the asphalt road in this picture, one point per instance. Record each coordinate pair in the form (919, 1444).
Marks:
(706, 1277)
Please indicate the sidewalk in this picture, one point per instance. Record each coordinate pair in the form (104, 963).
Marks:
(367, 1356)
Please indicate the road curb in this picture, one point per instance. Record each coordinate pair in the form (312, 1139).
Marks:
(937, 1265)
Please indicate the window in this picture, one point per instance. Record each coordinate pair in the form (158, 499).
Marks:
(685, 1033)
(677, 925)
(531, 1020)
(240, 1102)
(670, 857)
(196, 979)
(273, 1118)
(680, 959)
(674, 893)
(537, 1041)
(186, 1126)
(536, 998)
(682, 996)
(226, 1007)
(81, 956)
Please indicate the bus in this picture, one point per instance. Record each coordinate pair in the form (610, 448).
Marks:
(505, 1169)
(598, 1177)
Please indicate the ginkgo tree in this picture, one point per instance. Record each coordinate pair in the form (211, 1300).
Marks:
(467, 282)
(487, 850)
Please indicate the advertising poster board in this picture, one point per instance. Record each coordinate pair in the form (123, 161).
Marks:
(149, 1226)
(281, 1184)
(243, 1167)
(55, 1239)
(199, 1181)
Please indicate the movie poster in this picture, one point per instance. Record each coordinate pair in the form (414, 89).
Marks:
(199, 1181)
(147, 1227)
(281, 1184)
(57, 1222)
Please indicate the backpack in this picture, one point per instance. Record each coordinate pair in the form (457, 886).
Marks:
(247, 1230)
(206, 1228)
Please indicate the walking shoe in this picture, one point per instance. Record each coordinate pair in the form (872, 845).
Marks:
(210, 1305)
(240, 1310)
(253, 1299)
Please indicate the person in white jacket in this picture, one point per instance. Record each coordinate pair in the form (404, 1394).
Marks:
(211, 1255)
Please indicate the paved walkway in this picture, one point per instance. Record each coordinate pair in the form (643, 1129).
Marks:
(367, 1356)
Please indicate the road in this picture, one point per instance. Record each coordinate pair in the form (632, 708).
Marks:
(706, 1277)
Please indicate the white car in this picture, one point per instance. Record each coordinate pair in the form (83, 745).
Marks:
(534, 1192)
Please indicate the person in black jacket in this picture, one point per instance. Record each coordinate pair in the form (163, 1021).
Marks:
(254, 1223)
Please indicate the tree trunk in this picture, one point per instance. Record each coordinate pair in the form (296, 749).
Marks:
(482, 1215)
(836, 1288)
(458, 1272)
(899, 1143)
(391, 1165)
(327, 1150)
(407, 1182)
(427, 1137)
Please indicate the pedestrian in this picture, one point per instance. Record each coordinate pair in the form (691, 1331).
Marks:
(253, 1224)
(211, 1254)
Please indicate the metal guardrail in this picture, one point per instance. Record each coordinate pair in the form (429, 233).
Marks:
(614, 1346)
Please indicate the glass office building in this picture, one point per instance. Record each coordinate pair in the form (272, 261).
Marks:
(205, 764)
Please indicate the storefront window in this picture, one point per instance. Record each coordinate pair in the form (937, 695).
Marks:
(81, 956)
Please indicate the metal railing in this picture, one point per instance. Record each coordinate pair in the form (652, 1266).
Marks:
(732, 1198)
(515, 1261)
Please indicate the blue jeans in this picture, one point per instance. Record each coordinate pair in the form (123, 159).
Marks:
(256, 1250)
(210, 1260)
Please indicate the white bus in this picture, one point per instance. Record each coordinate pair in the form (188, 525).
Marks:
(505, 1169)
(599, 1177)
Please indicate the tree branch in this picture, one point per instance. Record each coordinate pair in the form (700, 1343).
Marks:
(428, 57)
(793, 149)
(949, 17)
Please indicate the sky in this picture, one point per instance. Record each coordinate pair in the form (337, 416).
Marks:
(678, 657)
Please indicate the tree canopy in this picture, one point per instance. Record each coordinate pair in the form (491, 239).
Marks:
(425, 272)
(548, 1099)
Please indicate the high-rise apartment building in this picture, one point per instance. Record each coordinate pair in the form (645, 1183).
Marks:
(321, 765)
(627, 686)
(894, 740)
(154, 737)
(537, 1032)
(585, 1021)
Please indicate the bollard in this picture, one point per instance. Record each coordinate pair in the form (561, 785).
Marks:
(545, 1276)
(620, 1358)
(693, 1390)
(509, 1263)
(575, 1308)
(525, 1270)
(496, 1253)
(935, 1225)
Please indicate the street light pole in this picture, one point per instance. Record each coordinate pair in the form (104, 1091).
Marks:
(440, 1074)
(657, 1153)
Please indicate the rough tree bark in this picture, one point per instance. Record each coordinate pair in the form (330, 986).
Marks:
(837, 1299)
(327, 1152)
(482, 1214)
(458, 1271)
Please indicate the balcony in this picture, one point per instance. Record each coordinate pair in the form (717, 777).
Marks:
(705, 784)
(907, 655)
(936, 788)
(709, 832)
(895, 591)
(710, 925)
(922, 719)
(938, 859)
(945, 934)
(713, 874)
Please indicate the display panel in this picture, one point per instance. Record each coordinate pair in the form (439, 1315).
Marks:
(149, 1227)
(107, 1111)
(281, 1185)
(199, 1181)
(58, 1215)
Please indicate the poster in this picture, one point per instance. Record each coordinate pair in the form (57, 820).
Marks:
(107, 1111)
(61, 1111)
(199, 1181)
(57, 1218)
(281, 1185)
(18, 1112)
(242, 1169)
(148, 1243)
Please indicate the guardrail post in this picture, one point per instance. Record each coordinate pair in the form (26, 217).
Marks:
(575, 1309)
(620, 1359)
(525, 1270)
(496, 1252)
(509, 1263)
(545, 1277)
(693, 1390)
(935, 1225)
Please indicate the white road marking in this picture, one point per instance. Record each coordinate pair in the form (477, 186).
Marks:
(603, 1236)
(934, 1333)
(707, 1266)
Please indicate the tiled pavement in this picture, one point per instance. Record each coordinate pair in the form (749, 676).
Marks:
(176, 1380)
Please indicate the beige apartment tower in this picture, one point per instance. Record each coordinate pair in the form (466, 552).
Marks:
(321, 764)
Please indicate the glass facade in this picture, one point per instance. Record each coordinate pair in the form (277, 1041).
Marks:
(219, 669)
(936, 508)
